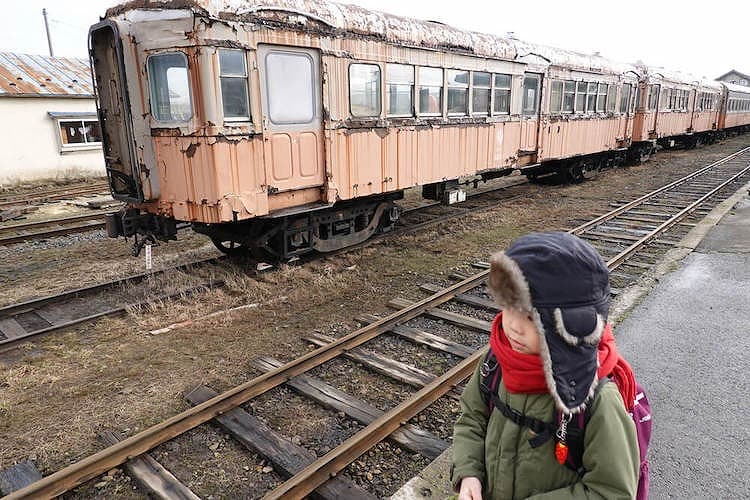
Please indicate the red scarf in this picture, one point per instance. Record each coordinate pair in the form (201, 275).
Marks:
(524, 373)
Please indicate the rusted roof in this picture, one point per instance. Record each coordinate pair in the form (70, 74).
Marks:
(34, 75)
(341, 18)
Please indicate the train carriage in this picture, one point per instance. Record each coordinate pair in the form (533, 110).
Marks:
(586, 118)
(293, 127)
(735, 110)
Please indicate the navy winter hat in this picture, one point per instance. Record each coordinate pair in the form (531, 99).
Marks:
(563, 283)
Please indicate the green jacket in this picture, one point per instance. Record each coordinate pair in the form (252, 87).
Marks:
(497, 451)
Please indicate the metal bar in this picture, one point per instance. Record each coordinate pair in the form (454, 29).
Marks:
(90, 467)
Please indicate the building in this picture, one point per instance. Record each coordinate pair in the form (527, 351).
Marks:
(49, 128)
(735, 76)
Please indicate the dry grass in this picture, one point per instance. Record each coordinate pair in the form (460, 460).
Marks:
(115, 374)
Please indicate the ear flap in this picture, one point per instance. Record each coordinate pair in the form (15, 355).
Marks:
(507, 283)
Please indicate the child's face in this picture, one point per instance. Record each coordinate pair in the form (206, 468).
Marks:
(521, 331)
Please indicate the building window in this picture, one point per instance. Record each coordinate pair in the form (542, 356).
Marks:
(555, 101)
(530, 94)
(364, 89)
(399, 90)
(169, 84)
(481, 84)
(458, 92)
(233, 76)
(430, 91)
(569, 96)
(77, 134)
(501, 94)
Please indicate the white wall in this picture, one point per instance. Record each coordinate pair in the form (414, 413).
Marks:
(30, 144)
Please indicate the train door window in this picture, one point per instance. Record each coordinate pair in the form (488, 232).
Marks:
(169, 86)
(481, 84)
(501, 94)
(581, 97)
(611, 98)
(653, 96)
(591, 97)
(555, 102)
(601, 98)
(700, 101)
(364, 89)
(569, 96)
(458, 92)
(399, 90)
(625, 97)
(290, 100)
(233, 78)
(430, 91)
(530, 94)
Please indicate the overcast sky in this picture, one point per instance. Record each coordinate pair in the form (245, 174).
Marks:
(706, 39)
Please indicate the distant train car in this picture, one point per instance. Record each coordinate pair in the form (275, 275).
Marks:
(735, 110)
(586, 119)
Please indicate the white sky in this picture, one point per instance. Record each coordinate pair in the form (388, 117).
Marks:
(704, 38)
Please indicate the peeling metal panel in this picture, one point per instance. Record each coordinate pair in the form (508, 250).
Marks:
(35, 75)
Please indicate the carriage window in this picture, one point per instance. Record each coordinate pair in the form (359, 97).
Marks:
(233, 77)
(458, 92)
(591, 97)
(611, 98)
(581, 97)
(399, 90)
(501, 91)
(364, 89)
(625, 97)
(480, 93)
(653, 96)
(601, 98)
(569, 96)
(170, 87)
(530, 94)
(555, 101)
(430, 91)
(290, 99)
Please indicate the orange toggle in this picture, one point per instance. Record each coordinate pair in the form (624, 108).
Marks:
(561, 452)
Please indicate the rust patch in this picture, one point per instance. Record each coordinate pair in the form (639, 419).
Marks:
(165, 132)
(190, 151)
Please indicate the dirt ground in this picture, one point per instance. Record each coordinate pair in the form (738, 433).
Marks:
(56, 395)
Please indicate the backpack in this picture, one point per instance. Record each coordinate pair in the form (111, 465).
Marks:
(491, 373)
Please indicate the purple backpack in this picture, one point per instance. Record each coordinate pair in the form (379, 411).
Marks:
(641, 415)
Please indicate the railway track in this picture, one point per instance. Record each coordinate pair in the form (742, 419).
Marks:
(630, 238)
(18, 233)
(53, 194)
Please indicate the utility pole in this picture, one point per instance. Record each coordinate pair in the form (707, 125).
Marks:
(46, 27)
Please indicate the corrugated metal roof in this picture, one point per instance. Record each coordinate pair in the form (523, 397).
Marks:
(24, 75)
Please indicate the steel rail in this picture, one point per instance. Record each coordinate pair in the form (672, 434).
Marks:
(104, 460)
(327, 466)
(81, 228)
(615, 261)
(51, 222)
(629, 205)
(29, 199)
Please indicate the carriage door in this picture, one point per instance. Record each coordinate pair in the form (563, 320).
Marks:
(530, 111)
(290, 86)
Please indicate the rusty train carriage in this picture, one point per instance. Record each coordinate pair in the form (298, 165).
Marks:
(291, 128)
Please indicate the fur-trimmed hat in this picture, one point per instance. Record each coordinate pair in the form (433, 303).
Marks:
(563, 283)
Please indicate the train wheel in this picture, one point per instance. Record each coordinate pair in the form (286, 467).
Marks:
(232, 248)
(576, 172)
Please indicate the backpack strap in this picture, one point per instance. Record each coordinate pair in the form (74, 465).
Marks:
(576, 433)
(491, 374)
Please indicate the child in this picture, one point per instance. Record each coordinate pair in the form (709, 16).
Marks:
(553, 346)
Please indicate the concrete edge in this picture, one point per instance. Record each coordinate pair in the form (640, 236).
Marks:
(434, 480)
